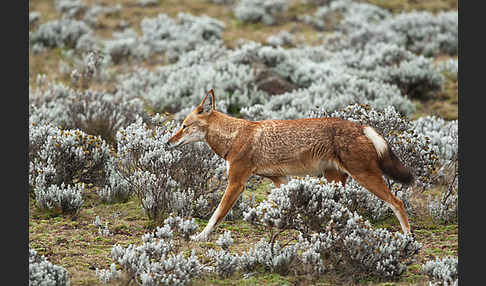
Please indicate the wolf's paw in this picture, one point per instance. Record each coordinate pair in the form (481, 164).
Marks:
(200, 237)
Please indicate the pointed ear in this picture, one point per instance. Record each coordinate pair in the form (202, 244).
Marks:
(208, 103)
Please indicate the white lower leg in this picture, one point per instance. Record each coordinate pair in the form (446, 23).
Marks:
(204, 235)
(403, 224)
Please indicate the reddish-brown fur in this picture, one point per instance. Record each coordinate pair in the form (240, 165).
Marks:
(276, 149)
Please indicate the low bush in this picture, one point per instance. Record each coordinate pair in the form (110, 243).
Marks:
(333, 93)
(178, 89)
(442, 271)
(419, 32)
(164, 36)
(34, 17)
(345, 15)
(61, 162)
(68, 156)
(225, 263)
(332, 235)
(259, 11)
(60, 199)
(95, 113)
(43, 272)
(284, 38)
(59, 33)
(155, 262)
(70, 8)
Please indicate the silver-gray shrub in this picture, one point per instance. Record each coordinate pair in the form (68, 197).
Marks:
(155, 262)
(58, 160)
(101, 231)
(341, 238)
(225, 240)
(70, 8)
(283, 38)
(253, 52)
(144, 164)
(124, 45)
(165, 36)
(450, 67)
(76, 9)
(225, 263)
(91, 65)
(441, 133)
(174, 37)
(44, 273)
(92, 14)
(60, 199)
(271, 256)
(420, 32)
(442, 271)
(116, 188)
(302, 66)
(379, 75)
(69, 156)
(444, 136)
(146, 3)
(96, 113)
(335, 92)
(415, 76)
(265, 11)
(59, 33)
(187, 228)
(102, 114)
(203, 54)
(345, 15)
(34, 17)
(178, 89)
(444, 209)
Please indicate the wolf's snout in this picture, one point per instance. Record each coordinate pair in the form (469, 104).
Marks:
(167, 144)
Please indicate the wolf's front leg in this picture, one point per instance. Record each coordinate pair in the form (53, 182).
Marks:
(236, 185)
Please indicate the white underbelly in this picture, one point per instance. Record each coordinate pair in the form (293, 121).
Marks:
(299, 169)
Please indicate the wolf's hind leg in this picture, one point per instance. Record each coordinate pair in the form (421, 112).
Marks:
(336, 176)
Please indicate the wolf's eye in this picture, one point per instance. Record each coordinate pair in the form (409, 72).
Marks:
(184, 126)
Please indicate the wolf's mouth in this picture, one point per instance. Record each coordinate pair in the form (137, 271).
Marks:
(170, 145)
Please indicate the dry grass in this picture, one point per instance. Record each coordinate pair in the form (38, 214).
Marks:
(398, 6)
(444, 103)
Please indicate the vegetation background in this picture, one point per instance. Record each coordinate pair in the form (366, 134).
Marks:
(75, 242)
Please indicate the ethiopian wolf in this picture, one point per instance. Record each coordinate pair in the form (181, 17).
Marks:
(276, 149)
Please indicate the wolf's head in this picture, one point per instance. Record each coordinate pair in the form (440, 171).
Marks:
(195, 125)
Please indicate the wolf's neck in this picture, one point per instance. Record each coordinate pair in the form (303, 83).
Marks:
(222, 131)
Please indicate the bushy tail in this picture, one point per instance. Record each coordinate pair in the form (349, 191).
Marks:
(392, 167)
(388, 161)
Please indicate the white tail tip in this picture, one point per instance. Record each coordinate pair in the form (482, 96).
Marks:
(378, 141)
